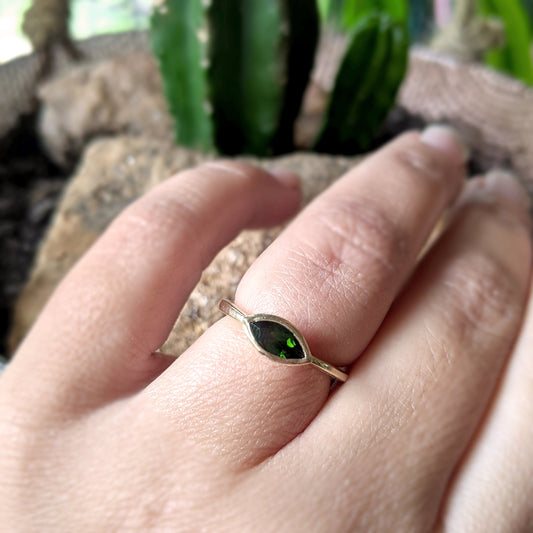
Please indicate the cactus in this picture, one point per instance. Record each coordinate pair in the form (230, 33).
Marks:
(354, 10)
(323, 8)
(235, 72)
(246, 76)
(366, 85)
(179, 40)
(302, 41)
(515, 56)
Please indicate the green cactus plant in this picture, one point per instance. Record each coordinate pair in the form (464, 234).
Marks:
(515, 56)
(235, 73)
(366, 85)
(241, 67)
(354, 10)
(179, 40)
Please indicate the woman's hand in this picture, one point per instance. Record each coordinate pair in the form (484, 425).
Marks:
(432, 429)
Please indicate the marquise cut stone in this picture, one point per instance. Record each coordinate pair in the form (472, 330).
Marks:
(276, 339)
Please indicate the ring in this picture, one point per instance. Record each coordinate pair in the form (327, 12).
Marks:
(278, 339)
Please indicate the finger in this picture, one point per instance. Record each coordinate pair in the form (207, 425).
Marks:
(333, 273)
(493, 489)
(338, 267)
(120, 301)
(416, 397)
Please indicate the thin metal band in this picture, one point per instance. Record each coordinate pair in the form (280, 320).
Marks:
(230, 309)
(331, 370)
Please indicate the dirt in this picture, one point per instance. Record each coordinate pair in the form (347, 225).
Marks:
(30, 185)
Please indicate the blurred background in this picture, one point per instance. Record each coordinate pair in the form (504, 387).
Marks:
(89, 17)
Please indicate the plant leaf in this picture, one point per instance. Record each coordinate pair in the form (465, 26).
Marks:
(179, 39)
(366, 85)
(354, 10)
(247, 73)
(515, 57)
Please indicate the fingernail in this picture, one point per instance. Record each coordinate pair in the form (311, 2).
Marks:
(447, 140)
(285, 177)
(507, 185)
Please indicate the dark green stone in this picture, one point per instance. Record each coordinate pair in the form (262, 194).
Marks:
(276, 340)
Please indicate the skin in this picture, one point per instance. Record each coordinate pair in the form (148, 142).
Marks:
(431, 431)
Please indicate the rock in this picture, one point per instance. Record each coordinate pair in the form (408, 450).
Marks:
(18, 77)
(493, 113)
(114, 172)
(120, 95)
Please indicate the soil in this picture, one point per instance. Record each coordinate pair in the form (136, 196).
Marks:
(30, 185)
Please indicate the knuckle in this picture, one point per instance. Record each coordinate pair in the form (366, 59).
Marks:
(183, 202)
(155, 219)
(364, 235)
(483, 299)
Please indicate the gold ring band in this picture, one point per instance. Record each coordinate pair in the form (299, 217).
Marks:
(278, 339)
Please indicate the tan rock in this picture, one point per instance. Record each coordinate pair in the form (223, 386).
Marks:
(493, 112)
(113, 173)
(122, 95)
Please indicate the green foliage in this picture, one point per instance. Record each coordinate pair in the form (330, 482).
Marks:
(300, 42)
(366, 85)
(528, 6)
(246, 74)
(235, 72)
(331, 10)
(179, 40)
(323, 8)
(515, 57)
(354, 10)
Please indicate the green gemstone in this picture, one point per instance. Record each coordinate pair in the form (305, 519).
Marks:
(276, 339)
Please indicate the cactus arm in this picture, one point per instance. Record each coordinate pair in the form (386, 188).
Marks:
(323, 8)
(361, 57)
(246, 73)
(515, 57)
(263, 73)
(366, 85)
(394, 73)
(354, 10)
(179, 39)
(224, 75)
(301, 42)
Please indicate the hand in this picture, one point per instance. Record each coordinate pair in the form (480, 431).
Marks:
(431, 431)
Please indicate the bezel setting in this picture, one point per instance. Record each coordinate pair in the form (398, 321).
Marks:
(251, 319)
